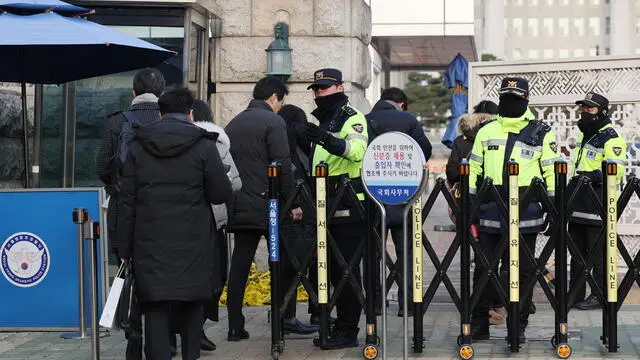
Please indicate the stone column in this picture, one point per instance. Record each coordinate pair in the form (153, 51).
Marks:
(322, 33)
(621, 30)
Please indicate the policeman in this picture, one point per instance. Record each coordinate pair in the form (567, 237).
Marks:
(340, 141)
(514, 134)
(597, 141)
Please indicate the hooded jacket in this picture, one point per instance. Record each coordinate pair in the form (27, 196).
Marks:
(173, 172)
(223, 144)
(468, 126)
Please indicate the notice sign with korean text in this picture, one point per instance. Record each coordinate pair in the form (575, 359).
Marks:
(392, 168)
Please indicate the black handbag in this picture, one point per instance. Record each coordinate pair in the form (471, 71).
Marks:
(128, 306)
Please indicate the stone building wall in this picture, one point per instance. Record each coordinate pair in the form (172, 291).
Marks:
(322, 33)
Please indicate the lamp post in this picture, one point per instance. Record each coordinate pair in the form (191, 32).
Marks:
(279, 54)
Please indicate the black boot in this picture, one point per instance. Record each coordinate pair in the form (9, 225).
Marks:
(590, 303)
(206, 344)
(479, 329)
(340, 339)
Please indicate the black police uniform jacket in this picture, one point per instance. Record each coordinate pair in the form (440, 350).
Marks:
(172, 175)
(384, 117)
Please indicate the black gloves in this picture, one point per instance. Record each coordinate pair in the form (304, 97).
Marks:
(329, 142)
(595, 176)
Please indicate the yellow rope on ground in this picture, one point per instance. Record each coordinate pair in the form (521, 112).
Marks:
(258, 290)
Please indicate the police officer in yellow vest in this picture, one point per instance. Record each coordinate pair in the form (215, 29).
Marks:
(340, 141)
(514, 134)
(597, 141)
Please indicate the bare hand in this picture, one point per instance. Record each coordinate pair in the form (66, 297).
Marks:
(296, 214)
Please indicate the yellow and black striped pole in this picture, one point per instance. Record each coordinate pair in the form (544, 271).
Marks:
(321, 224)
(418, 344)
(514, 255)
(611, 254)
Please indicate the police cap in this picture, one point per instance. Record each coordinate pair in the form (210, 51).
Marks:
(593, 100)
(326, 77)
(514, 85)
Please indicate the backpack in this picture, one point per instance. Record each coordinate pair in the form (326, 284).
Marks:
(126, 136)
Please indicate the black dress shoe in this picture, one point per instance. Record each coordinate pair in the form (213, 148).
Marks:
(206, 344)
(237, 335)
(590, 303)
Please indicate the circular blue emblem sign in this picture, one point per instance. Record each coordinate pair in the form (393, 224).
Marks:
(392, 169)
(24, 259)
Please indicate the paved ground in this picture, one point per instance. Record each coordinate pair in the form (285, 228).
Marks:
(441, 326)
(440, 329)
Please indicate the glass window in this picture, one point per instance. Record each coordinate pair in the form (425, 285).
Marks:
(563, 53)
(547, 24)
(517, 27)
(607, 25)
(517, 54)
(563, 27)
(593, 51)
(533, 2)
(517, 2)
(578, 52)
(594, 26)
(549, 2)
(114, 93)
(548, 53)
(595, 2)
(607, 51)
(580, 2)
(578, 26)
(533, 26)
(638, 51)
(564, 2)
(532, 54)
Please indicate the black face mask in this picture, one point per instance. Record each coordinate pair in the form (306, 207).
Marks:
(590, 123)
(330, 101)
(512, 106)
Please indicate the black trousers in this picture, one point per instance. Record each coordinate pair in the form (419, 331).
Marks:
(404, 258)
(157, 327)
(244, 250)
(584, 237)
(133, 334)
(347, 237)
(490, 245)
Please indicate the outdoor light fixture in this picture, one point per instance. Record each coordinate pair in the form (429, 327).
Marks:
(279, 54)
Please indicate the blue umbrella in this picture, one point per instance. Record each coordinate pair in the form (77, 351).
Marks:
(48, 48)
(456, 76)
(25, 7)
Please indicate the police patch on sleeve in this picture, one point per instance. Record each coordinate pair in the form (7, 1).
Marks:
(617, 150)
(358, 128)
(554, 146)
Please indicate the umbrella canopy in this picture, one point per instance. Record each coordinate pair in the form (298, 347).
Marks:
(25, 7)
(456, 76)
(457, 72)
(48, 48)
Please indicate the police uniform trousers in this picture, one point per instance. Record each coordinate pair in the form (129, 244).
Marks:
(585, 237)
(490, 245)
(348, 237)
(244, 249)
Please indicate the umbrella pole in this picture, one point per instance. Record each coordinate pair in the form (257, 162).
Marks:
(25, 138)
